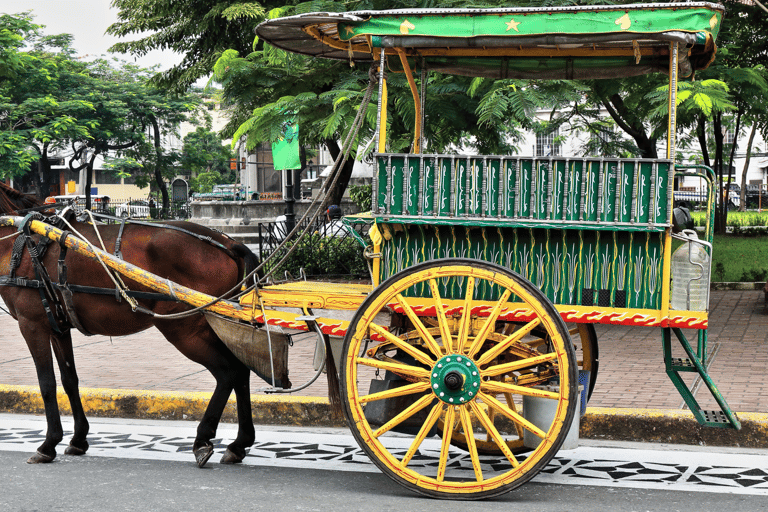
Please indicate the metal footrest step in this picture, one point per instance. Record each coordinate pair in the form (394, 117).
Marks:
(715, 418)
(682, 364)
(724, 418)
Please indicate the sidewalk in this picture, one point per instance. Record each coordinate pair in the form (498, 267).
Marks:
(631, 372)
(631, 365)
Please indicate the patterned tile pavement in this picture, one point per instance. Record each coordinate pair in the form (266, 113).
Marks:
(631, 364)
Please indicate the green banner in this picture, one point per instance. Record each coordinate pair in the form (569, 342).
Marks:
(285, 152)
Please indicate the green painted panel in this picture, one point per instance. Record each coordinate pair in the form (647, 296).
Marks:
(382, 183)
(444, 186)
(475, 188)
(428, 204)
(626, 182)
(412, 180)
(608, 195)
(558, 190)
(591, 191)
(492, 186)
(644, 191)
(541, 189)
(524, 187)
(397, 171)
(510, 187)
(662, 193)
(460, 184)
(573, 194)
(572, 267)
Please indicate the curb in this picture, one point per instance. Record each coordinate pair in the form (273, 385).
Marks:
(639, 425)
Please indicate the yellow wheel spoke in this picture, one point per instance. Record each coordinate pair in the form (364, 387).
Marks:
(510, 340)
(400, 369)
(493, 386)
(518, 365)
(420, 328)
(450, 417)
(403, 345)
(466, 316)
(490, 323)
(445, 330)
(494, 404)
(408, 389)
(434, 414)
(469, 434)
(513, 407)
(407, 413)
(491, 429)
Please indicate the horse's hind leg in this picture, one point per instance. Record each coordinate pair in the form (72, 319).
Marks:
(245, 435)
(62, 348)
(200, 344)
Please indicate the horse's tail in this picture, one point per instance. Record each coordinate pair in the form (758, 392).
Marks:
(334, 390)
(249, 258)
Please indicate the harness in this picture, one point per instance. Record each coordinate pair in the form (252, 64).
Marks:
(59, 307)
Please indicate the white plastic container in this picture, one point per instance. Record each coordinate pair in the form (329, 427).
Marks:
(541, 412)
(690, 274)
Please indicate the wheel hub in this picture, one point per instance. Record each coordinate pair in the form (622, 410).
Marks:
(455, 379)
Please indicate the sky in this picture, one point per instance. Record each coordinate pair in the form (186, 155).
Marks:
(87, 20)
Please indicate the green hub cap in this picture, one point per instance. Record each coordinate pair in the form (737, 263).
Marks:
(455, 379)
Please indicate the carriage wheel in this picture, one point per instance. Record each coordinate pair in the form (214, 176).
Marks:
(453, 365)
(584, 340)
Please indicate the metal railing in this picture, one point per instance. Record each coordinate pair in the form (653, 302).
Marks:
(330, 249)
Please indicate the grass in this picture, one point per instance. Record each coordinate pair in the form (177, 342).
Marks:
(739, 258)
(737, 218)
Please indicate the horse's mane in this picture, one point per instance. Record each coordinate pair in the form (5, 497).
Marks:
(11, 200)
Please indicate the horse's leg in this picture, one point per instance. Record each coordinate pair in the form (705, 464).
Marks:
(62, 348)
(200, 344)
(246, 434)
(38, 341)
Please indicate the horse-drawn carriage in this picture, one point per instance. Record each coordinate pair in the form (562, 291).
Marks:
(460, 366)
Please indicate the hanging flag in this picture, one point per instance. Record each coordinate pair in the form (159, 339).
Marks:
(285, 152)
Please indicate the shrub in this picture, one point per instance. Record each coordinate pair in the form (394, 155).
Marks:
(324, 256)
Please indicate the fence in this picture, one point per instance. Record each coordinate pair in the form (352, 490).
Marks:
(135, 208)
(329, 250)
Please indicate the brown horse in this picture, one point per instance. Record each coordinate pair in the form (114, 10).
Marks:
(213, 267)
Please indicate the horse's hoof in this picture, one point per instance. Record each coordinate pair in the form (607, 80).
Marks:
(74, 450)
(202, 455)
(229, 457)
(40, 458)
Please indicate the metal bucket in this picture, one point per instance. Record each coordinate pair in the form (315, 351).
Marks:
(251, 345)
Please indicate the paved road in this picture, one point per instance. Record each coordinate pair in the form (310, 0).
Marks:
(148, 466)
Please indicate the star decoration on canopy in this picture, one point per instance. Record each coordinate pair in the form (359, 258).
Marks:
(512, 25)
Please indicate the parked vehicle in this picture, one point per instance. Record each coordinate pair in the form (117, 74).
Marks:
(133, 209)
(99, 203)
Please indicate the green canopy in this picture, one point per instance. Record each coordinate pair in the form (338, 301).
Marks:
(543, 42)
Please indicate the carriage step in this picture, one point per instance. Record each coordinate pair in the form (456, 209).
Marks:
(725, 417)
(682, 364)
(715, 419)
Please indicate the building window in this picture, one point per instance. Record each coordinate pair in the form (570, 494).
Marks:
(545, 144)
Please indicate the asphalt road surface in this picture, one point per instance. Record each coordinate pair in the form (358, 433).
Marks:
(143, 465)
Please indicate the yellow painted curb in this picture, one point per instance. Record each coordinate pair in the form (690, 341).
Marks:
(171, 405)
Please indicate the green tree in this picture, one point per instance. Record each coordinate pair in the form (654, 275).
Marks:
(207, 160)
(39, 111)
(132, 118)
(200, 30)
